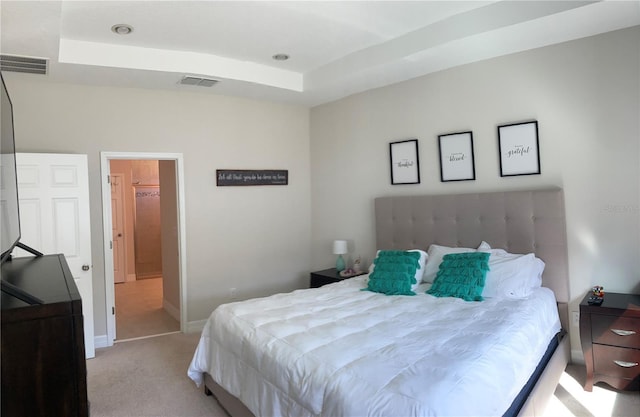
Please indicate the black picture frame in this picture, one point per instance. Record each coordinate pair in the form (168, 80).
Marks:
(457, 160)
(404, 162)
(519, 149)
(247, 177)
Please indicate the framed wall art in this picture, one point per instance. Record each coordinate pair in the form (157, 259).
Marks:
(519, 150)
(241, 177)
(405, 168)
(456, 157)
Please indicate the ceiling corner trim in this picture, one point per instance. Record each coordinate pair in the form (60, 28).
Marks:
(150, 59)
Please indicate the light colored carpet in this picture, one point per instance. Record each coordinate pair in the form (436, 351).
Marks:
(571, 400)
(148, 378)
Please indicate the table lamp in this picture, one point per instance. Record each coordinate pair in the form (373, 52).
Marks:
(340, 248)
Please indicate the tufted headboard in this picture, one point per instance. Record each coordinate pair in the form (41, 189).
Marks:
(518, 221)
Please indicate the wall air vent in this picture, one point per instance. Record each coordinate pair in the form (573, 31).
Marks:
(198, 81)
(24, 64)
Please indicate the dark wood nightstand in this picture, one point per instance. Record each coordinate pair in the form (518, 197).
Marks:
(327, 276)
(610, 337)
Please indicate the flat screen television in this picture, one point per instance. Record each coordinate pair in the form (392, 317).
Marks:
(9, 210)
(9, 203)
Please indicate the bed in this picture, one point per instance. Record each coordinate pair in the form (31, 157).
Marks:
(339, 350)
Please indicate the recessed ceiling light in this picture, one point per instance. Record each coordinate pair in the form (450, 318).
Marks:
(280, 57)
(122, 29)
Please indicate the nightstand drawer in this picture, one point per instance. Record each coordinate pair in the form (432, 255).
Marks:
(628, 361)
(611, 332)
(615, 331)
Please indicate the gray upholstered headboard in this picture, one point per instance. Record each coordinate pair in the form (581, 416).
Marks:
(518, 221)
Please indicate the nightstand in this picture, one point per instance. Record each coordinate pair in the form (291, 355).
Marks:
(610, 337)
(327, 276)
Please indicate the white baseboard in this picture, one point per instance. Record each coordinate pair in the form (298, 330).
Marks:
(577, 357)
(171, 309)
(195, 326)
(101, 341)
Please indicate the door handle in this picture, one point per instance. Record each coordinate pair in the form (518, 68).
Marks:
(85, 267)
(119, 234)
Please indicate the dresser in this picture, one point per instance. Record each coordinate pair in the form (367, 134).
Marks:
(610, 338)
(44, 369)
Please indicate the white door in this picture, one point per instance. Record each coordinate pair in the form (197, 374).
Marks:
(117, 225)
(54, 218)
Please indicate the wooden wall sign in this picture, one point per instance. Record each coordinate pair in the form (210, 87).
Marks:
(236, 177)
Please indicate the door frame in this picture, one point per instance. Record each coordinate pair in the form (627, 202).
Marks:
(105, 158)
(124, 221)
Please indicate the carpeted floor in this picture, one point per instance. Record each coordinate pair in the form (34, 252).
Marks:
(571, 400)
(148, 378)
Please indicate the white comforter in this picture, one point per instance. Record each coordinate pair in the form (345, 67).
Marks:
(338, 351)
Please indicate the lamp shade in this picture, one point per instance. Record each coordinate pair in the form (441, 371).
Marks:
(339, 247)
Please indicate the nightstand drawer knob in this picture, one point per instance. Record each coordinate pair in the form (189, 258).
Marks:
(620, 332)
(626, 364)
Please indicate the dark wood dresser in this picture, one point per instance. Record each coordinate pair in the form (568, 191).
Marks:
(610, 337)
(44, 369)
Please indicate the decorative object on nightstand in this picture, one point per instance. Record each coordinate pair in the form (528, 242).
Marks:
(357, 265)
(340, 248)
(597, 295)
(610, 338)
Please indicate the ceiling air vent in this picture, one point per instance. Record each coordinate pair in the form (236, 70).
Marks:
(24, 64)
(198, 81)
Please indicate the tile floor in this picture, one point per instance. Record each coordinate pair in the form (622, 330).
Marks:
(139, 311)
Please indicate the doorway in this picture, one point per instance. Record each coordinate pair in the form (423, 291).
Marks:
(143, 209)
(144, 300)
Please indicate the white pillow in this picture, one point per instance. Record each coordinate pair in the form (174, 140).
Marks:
(435, 254)
(512, 275)
(484, 247)
(419, 272)
(538, 269)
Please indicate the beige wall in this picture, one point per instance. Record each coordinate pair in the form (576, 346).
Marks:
(261, 240)
(170, 237)
(585, 96)
(254, 239)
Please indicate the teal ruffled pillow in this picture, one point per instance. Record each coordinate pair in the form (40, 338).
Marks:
(395, 272)
(461, 275)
